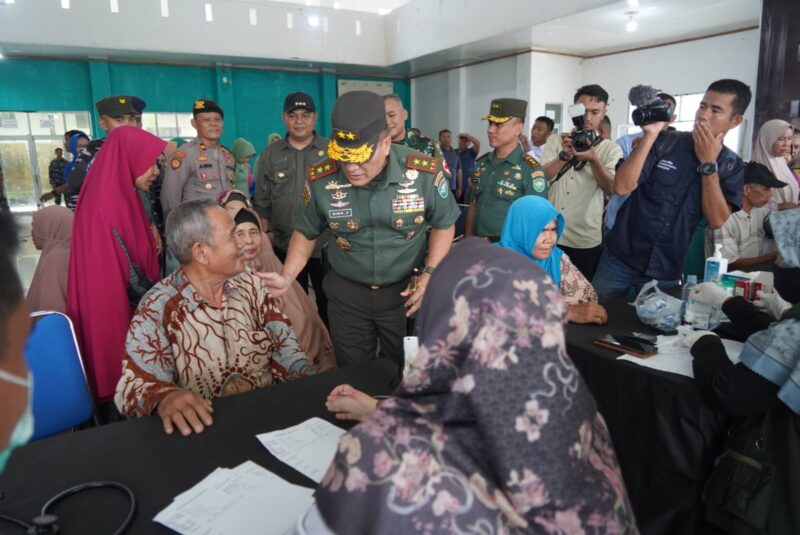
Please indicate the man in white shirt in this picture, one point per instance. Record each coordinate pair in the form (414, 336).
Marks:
(540, 131)
(742, 235)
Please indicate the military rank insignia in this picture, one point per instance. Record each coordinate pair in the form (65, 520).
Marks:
(421, 163)
(530, 160)
(328, 167)
(307, 194)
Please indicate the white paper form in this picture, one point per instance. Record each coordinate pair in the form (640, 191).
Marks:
(307, 447)
(245, 499)
(674, 358)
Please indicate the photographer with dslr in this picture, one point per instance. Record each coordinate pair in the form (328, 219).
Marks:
(581, 170)
(675, 179)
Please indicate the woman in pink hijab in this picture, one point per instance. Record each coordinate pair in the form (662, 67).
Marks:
(51, 230)
(97, 294)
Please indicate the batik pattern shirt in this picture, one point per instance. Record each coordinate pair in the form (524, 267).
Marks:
(177, 340)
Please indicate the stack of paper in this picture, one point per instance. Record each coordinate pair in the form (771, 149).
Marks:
(245, 499)
(307, 447)
(675, 358)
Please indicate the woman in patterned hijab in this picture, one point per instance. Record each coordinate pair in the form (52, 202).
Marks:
(492, 430)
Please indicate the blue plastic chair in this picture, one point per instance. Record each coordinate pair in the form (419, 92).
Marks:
(61, 398)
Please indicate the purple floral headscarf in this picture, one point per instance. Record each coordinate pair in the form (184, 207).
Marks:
(492, 430)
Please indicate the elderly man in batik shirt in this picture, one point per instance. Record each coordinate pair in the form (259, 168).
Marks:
(210, 329)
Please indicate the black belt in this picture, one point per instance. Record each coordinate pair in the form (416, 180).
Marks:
(403, 281)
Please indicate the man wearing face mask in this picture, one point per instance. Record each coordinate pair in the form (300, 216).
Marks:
(16, 392)
(378, 200)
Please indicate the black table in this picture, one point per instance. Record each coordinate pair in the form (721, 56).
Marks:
(666, 436)
(157, 467)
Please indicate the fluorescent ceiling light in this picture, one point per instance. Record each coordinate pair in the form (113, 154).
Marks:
(165, 8)
(253, 16)
(632, 25)
(337, 5)
(114, 6)
(209, 13)
(358, 27)
(384, 11)
(325, 24)
(313, 21)
(633, 3)
(289, 21)
(64, 4)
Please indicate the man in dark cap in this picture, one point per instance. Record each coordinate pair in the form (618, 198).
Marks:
(280, 178)
(114, 111)
(742, 235)
(378, 200)
(201, 168)
(503, 175)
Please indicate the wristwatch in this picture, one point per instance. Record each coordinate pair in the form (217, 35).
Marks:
(428, 270)
(707, 168)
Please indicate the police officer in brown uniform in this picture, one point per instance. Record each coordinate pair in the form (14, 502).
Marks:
(201, 168)
(377, 199)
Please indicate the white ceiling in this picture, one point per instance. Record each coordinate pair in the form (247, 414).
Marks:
(434, 34)
(380, 7)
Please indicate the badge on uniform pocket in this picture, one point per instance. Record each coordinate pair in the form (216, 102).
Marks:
(343, 244)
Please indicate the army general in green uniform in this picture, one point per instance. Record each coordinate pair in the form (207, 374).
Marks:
(378, 200)
(504, 175)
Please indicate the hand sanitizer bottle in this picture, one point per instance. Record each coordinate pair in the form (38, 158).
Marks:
(716, 266)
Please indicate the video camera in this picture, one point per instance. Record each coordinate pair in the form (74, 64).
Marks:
(649, 106)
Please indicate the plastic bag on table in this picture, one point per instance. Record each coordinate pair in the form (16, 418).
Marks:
(657, 309)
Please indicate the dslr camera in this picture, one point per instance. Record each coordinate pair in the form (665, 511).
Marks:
(649, 106)
(582, 140)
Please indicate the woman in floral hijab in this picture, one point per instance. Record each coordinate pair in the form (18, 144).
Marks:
(492, 430)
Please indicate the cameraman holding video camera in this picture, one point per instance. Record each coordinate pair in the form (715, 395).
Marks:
(675, 179)
(581, 171)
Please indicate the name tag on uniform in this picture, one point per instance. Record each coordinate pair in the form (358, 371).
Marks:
(666, 165)
(338, 214)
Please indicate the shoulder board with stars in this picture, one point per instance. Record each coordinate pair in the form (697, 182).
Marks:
(421, 163)
(530, 160)
(323, 168)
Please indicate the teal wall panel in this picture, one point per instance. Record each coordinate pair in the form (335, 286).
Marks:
(252, 99)
(44, 85)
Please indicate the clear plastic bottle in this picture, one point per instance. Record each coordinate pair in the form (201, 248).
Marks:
(691, 282)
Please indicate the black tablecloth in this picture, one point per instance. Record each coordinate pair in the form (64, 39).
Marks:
(665, 435)
(157, 467)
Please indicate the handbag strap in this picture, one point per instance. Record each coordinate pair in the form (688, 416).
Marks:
(122, 245)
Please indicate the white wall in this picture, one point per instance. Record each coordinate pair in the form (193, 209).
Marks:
(678, 69)
(458, 98)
